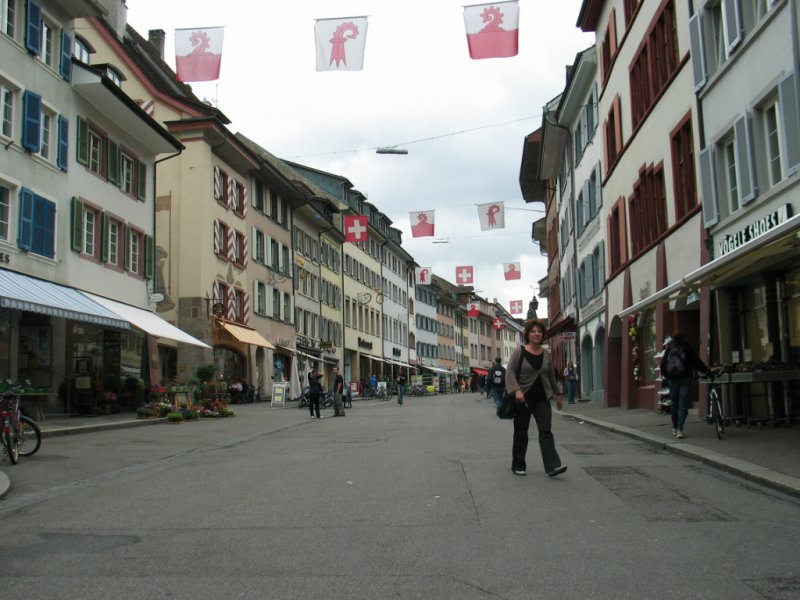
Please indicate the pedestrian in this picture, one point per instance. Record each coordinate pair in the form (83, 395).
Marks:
(338, 390)
(533, 390)
(314, 392)
(496, 382)
(678, 364)
(570, 381)
(401, 388)
(373, 383)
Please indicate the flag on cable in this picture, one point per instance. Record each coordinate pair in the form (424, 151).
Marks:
(341, 43)
(422, 275)
(516, 307)
(512, 271)
(492, 216)
(355, 228)
(464, 275)
(473, 310)
(422, 223)
(198, 53)
(492, 29)
(499, 322)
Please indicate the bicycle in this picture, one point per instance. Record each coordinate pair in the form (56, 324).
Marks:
(10, 425)
(30, 436)
(714, 414)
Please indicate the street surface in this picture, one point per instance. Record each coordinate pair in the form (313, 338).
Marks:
(411, 502)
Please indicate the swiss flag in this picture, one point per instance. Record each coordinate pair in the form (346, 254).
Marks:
(499, 323)
(512, 271)
(516, 307)
(423, 275)
(422, 223)
(464, 275)
(198, 53)
(355, 228)
(472, 310)
(492, 29)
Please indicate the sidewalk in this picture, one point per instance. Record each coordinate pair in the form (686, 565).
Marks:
(769, 456)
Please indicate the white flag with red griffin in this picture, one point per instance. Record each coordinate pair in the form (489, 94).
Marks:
(341, 43)
(355, 228)
(422, 275)
(422, 223)
(473, 310)
(492, 29)
(492, 216)
(198, 53)
(512, 271)
(464, 275)
(516, 307)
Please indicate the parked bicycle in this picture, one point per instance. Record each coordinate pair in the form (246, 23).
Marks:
(714, 414)
(10, 425)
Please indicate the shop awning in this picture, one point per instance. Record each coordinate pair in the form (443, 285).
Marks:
(663, 295)
(566, 322)
(147, 321)
(247, 335)
(480, 371)
(435, 369)
(21, 292)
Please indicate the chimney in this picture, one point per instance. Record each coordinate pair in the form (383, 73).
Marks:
(157, 38)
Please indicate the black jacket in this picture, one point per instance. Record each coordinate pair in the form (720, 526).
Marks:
(692, 361)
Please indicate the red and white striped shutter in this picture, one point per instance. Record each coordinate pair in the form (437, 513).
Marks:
(245, 201)
(217, 241)
(217, 183)
(231, 193)
(245, 308)
(216, 293)
(245, 249)
(231, 241)
(230, 305)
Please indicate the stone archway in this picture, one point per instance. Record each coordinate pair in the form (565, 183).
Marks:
(598, 387)
(587, 382)
(613, 363)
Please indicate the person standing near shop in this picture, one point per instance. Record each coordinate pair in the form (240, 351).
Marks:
(533, 390)
(338, 390)
(401, 387)
(314, 392)
(570, 381)
(678, 365)
(496, 382)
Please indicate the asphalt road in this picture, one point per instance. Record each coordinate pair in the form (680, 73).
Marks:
(392, 502)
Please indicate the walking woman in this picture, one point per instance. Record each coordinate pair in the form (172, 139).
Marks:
(535, 387)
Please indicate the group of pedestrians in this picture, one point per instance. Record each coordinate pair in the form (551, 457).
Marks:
(315, 392)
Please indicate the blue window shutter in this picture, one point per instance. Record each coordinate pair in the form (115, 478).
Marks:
(25, 230)
(63, 142)
(31, 121)
(65, 66)
(48, 228)
(33, 28)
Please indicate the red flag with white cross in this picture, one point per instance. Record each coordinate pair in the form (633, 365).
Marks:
(355, 228)
(499, 322)
(464, 275)
(516, 307)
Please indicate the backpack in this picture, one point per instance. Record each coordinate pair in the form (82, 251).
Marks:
(498, 376)
(676, 362)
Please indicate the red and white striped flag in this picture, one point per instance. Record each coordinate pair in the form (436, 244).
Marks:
(355, 228)
(198, 53)
(492, 29)
(341, 43)
(422, 223)
(464, 275)
(512, 271)
(516, 307)
(492, 216)
(422, 275)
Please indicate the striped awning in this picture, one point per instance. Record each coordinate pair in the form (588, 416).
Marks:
(22, 292)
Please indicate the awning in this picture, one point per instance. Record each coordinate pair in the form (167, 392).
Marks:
(662, 295)
(480, 371)
(247, 335)
(566, 322)
(21, 292)
(435, 369)
(147, 321)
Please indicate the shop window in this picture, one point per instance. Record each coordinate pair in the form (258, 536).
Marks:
(649, 364)
(756, 346)
(230, 364)
(793, 310)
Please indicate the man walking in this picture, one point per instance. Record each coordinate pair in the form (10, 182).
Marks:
(338, 390)
(401, 387)
(496, 382)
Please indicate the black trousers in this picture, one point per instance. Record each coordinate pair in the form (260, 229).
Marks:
(313, 404)
(543, 414)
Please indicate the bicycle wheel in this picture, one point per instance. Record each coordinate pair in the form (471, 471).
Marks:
(716, 415)
(30, 436)
(9, 443)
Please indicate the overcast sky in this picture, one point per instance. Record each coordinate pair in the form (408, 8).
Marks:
(462, 121)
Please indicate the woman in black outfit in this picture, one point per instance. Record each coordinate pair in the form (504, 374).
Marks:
(533, 389)
(314, 392)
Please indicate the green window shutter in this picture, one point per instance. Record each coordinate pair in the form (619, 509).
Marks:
(127, 261)
(82, 145)
(113, 162)
(104, 238)
(149, 256)
(77, 224)
(141, 191)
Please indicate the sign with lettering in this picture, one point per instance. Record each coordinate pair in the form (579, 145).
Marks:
(730, 242)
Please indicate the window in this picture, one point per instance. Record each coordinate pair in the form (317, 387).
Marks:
(683, 172)
(113, 231)
(139, 252)
(127, 180)
(259, 198)
(90, 244)
(45, 134)
(630, 6)
(260, 297)
(47, 44)
(9, 17)
(608, 48)
(258, 246)
(115, 76)
(37, 224)
(239, 300)
(97, 163)
(647, 208)
(613, 133)
(730, 179)
(8, 100)
(5, 212)
(82, 50)
(772, 142)
(221, 239)
(276, 303)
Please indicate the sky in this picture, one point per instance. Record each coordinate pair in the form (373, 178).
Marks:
(462, 121)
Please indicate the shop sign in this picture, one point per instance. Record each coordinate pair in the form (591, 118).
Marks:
(305, 342)
(396, 352)
(362, 343)
(5, 258)
(751, 231)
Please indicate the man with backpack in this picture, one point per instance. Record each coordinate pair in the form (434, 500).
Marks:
(678, 365)
(496, 382)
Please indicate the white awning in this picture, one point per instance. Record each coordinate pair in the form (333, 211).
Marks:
(435, 369)
(146, 321)
(21, 292)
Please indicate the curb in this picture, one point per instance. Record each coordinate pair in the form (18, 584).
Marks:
(100, 427)
(5, 484)
(752, 472)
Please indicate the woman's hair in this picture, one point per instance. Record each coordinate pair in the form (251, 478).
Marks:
(678, 337)
(531, 324)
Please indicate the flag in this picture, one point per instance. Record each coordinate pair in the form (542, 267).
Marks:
(499, 322)
(422, 223)
(516, 307)
(422, 275)
(355, 228)
(340, 43)
(512, 271)
(492, 29)
(492, 216)
(198, 53)
(464, 275)
(472, 310)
